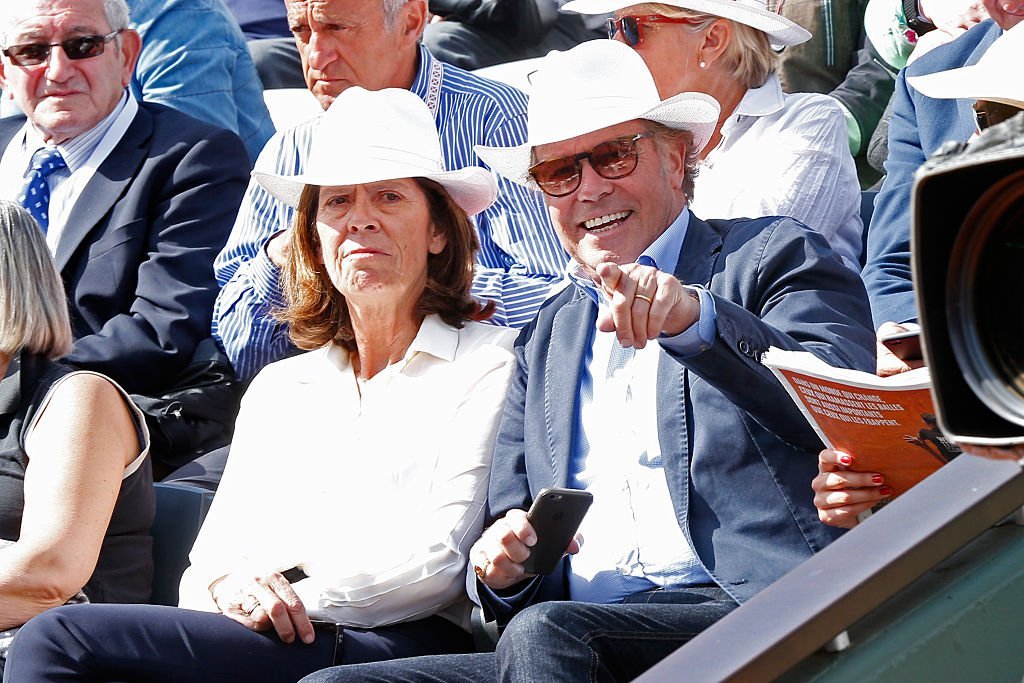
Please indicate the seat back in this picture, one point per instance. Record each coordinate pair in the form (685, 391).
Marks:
(180, 511)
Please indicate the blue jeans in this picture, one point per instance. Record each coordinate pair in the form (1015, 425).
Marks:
(555, 641)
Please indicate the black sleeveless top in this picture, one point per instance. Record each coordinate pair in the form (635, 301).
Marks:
(124, 571)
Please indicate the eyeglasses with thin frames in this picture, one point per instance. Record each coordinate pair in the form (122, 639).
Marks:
(611, 159)
(82, 47)
(630, 26)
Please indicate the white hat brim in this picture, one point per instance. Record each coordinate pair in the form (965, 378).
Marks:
(694, 112)
(472, 188)
(970, 83)
(780, 30)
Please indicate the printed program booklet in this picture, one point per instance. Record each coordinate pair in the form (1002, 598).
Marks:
(887, 423)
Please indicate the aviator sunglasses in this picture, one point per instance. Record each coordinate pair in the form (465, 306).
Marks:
(630, 26)
(611, 159)
(82, 47)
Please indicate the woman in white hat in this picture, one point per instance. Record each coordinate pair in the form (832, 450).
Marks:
(359, 470)
(771, 153)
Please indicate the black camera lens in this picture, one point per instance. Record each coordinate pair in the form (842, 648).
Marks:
(985, 298)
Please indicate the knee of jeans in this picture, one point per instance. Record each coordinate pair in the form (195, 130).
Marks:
(537, 623)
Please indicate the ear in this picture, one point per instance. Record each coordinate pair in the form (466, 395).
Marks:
(716, 39)
(411, 21)
(438, 241)
(131, 45)
(3, 77)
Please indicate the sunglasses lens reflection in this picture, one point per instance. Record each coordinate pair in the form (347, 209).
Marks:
(612, 160)
(32, 54)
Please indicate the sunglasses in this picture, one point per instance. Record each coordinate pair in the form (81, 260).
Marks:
(630, 26)
(611, 159)
(82, 47)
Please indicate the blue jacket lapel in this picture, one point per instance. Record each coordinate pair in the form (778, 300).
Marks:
(572, 332)
(697, 260)
(105, 187)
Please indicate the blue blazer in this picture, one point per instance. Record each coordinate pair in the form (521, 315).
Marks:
(918, 128)
(137, 253)
(739, 456)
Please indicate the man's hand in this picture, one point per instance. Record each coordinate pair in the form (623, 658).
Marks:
(954, 16)
(497, 556)
(645, 303)
(888, 364)
(1015, 452)
(262, 602)
(841, 494)
(279, 248)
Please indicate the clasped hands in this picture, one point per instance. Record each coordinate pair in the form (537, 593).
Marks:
(644, 303)
(263, 602)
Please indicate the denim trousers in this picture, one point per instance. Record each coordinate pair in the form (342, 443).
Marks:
(565, 641)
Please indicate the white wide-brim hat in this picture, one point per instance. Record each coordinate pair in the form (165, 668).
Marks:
(993, 78)
(369, 136)
(753, 13)
(594, 85)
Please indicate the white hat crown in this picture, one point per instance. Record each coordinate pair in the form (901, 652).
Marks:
(597, 84)
(369, 136)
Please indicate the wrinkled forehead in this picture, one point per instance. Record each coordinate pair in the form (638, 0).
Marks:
(35, 19)
(334, 11)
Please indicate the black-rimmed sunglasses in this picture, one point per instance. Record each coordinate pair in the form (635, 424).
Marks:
(82, 47)
(611, 159)
(630, 26)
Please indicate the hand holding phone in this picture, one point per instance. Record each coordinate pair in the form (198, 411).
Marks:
(555, 516)
(904, 345)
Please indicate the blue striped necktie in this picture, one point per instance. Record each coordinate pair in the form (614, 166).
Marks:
(36, 195)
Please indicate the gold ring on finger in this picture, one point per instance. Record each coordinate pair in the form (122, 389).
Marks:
(649, 300)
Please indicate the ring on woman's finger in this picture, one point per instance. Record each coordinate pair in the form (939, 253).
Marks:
(649, 300)
(249, 604)
(481, 571)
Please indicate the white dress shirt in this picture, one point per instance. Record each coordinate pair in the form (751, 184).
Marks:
(83, 155)
(785, 155)
(374, 489)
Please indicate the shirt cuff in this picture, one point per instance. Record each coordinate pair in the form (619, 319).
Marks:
(699, 336)
(266, 278)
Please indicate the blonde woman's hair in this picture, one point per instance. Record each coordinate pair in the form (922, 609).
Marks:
(749, 54)
(33, 308)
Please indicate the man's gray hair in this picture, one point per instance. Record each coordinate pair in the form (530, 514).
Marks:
(33, 306)
(391, 9)
(115, 11)
(666, 137)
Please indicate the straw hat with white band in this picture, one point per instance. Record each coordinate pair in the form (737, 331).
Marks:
(595, 85)
(368, 136)
(993, 79)
(753, 13)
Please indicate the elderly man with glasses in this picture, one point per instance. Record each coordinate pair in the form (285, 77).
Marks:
(135, 199)
(641, 383)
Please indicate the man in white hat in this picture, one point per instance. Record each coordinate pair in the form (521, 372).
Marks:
(641, 383)
(376, 44)
(920, 125)
(771, 153)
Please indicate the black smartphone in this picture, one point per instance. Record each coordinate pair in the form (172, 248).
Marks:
(904, 345)
(555, 515)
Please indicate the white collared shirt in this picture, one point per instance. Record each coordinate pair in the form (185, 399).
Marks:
(375, 489)
(83, 155)
(785, 155)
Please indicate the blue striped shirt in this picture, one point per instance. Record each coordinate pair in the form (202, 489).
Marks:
(520, 257)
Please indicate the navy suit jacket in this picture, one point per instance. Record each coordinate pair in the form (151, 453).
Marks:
(739, 456)
(919, 126)
(136, 255)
